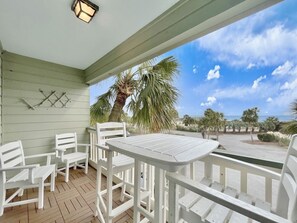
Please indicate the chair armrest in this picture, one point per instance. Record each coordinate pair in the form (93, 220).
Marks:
(60, 149)
(47, 155)
(234, 163)
(225, 200)
(86, 145)
(29, 167)
(20, 167)
(102, 147)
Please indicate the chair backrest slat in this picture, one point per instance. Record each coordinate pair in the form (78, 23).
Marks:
(14, 162)
(108, 130)
(111, 133)
(289, 184)
(11, 154)
(292, 166)
(287, 195)
(66, 141)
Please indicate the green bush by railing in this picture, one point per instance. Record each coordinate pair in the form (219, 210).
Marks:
(265, 137)
(281, 139)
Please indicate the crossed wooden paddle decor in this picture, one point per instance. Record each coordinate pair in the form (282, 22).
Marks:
(57, 100)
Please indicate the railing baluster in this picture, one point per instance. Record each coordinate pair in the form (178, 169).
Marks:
(243, 181)
(268, 189)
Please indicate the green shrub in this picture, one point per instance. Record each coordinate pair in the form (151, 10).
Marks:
(186, 128)
(264, 137)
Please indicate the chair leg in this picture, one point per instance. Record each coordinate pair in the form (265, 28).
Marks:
(41, 194)
(98, 188)
(2, 200)
(123, 187)
(75, 165)
(56, 166)
(53, 175)
(67, 172)
(109, 187)
(86, 166)
(21, 193)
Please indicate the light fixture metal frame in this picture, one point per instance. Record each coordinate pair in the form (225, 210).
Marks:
(88, 3)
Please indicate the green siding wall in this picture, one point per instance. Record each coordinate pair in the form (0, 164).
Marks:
(22, 78)
(0, 95)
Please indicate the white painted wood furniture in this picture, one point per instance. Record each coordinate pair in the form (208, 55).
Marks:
(15, 174)
(113, 164)
(67, 152)
(165, 152)
(210, 201)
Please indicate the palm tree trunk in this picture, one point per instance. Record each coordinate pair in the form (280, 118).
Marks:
(251, 133)
(117, 109)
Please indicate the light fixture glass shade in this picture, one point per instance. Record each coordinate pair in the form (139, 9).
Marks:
(84, 9)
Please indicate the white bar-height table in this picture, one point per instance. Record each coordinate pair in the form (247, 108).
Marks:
(165, 152)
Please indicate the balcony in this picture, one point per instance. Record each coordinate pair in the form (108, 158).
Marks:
(75, 201)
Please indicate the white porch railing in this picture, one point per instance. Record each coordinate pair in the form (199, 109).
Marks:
(226, 173)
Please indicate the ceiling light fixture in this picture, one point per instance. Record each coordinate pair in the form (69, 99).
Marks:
(84, 10)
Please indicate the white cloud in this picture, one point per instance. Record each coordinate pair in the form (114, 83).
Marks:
(250, 66)
(195, 69)
(288, 68)
(242, 45)
(210, 101)
(289, 86)
(214, 73)
(269, 99)
(257, 81)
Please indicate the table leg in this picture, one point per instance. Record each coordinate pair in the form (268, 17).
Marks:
(159, 195)
(137, 175)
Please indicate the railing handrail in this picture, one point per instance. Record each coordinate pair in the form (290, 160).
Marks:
(252, 160)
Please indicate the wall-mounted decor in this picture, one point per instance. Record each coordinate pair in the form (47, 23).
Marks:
(57, 100)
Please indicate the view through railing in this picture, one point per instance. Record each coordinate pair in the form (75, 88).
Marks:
(225, 173)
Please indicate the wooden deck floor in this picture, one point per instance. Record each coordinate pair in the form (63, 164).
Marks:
(70, 202)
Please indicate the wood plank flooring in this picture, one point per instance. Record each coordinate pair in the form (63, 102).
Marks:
(72, 202)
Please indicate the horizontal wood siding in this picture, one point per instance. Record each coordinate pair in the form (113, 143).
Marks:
(22, 79)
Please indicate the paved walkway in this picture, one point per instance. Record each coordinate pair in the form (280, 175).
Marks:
(235, 143)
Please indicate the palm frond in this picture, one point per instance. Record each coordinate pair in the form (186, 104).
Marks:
(101, 108)
(290, 128)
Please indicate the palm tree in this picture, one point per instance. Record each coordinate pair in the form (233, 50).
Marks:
(151, 93)
(250, 116)
(291, 127)
(212, 120)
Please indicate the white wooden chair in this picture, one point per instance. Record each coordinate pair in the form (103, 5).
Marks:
(22, 176)
(120, 164)
(210, 201)
(67, 152)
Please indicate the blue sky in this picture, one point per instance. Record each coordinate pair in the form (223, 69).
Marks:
(252, 62)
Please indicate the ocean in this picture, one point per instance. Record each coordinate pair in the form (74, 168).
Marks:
(282, 118)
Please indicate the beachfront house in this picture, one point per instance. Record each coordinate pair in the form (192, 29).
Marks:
(49, 58)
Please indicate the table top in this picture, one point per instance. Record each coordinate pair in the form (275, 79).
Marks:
(168, 152)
